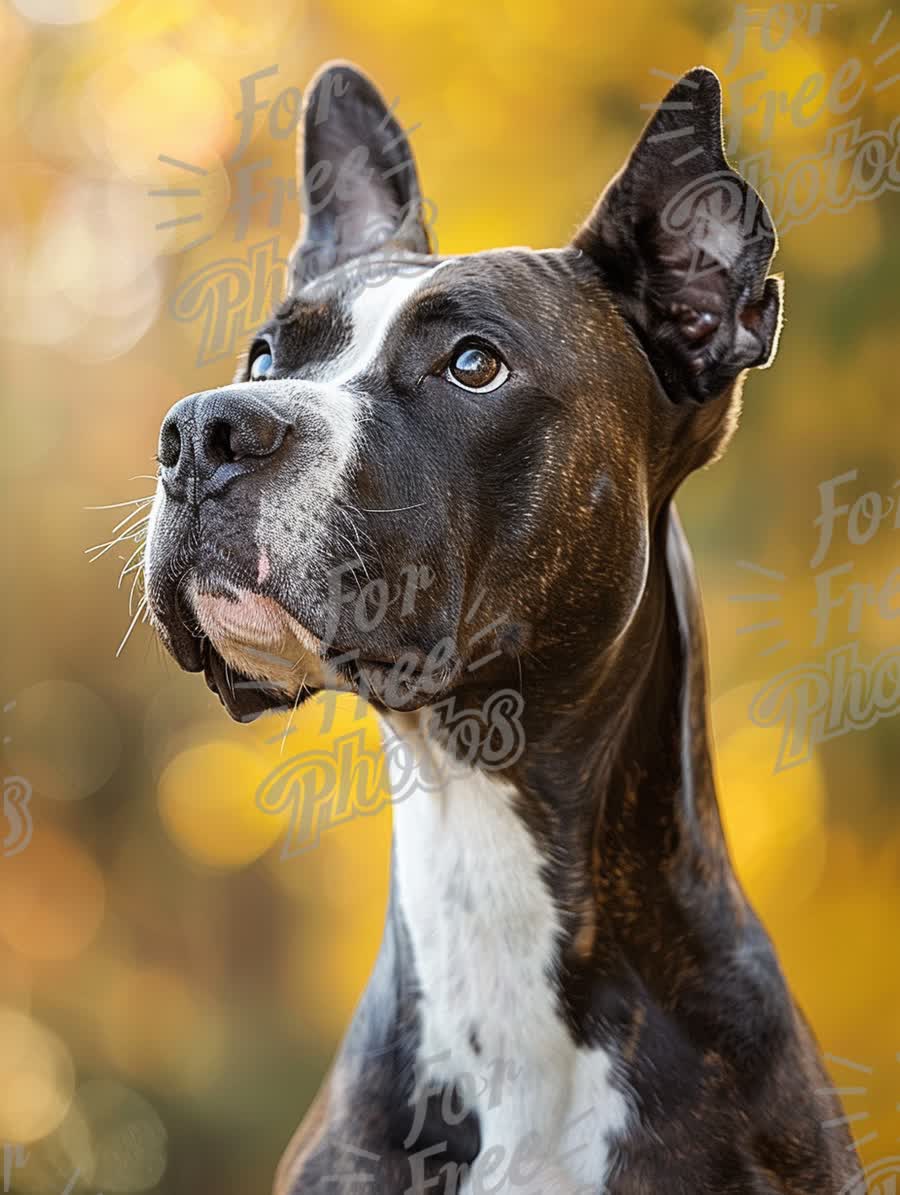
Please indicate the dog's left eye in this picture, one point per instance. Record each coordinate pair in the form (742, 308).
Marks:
(260, 362)
(476, 368)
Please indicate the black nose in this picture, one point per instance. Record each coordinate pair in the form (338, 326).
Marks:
(208, 440)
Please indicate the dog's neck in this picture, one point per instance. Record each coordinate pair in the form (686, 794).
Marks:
(630, 749)
(615, 787)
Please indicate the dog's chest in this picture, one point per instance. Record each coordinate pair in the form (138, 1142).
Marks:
(484, 931)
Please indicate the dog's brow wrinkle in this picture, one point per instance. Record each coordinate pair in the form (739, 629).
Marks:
(297, 308)
(437, 305)
(286, 308)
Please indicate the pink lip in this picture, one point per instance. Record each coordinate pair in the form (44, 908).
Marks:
(257, 638)
(252, 619)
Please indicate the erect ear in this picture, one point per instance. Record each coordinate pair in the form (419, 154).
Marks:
(685, 243)
(357, 176)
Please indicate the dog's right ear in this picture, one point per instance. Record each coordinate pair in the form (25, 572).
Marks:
(685, 245)
(357, 177)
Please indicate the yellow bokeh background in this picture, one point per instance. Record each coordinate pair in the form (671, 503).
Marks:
(173, 972)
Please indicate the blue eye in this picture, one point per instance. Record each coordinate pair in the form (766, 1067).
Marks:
(261, 365)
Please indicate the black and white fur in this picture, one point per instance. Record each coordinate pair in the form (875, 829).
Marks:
(570, 916)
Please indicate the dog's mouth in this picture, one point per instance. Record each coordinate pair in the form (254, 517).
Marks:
(244, 697)
(257, 657)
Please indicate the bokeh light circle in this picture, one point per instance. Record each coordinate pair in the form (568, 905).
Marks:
(64, 738)
(62, 12)
(37, 1078)
(52, 897)
(207, 801)
(115, 1137)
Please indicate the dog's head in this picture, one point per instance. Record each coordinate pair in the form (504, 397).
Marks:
(428, 459)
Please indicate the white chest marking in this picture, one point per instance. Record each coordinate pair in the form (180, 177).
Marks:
(484, 930)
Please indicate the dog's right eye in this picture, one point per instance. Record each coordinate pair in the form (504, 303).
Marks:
(260, 362)
(476, 368)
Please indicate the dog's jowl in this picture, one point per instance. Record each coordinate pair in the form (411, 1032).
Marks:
(446, 483)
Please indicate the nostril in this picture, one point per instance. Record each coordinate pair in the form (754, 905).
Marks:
(169, 444)
(219, 442)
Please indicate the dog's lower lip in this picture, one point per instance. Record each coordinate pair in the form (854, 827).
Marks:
(244, 699)
(185, 644)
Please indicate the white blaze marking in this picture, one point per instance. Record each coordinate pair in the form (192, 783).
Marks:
(331, 388)
(373, 312)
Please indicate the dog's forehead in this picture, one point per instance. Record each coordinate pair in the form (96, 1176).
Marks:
(377, 300)
(518, 282)
(374, 307)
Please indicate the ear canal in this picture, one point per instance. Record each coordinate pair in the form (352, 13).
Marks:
(686, 243)
(357, 177)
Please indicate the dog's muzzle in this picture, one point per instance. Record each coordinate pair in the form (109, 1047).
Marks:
(206, 571)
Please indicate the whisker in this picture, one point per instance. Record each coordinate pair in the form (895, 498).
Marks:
(140, 610)
(125, 534)
(291, 715)
(129, 567)
(135, 533)
(131, 514)
(386, 510)
(139, 578)
(117, 505)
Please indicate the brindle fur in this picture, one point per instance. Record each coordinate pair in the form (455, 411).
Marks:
(553, 504)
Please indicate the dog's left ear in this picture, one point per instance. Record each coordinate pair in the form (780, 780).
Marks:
(357, 176)
(685, 244)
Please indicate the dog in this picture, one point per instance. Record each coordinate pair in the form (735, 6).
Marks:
(573, 992)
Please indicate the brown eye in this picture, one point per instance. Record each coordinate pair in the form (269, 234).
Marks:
(475, 368)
